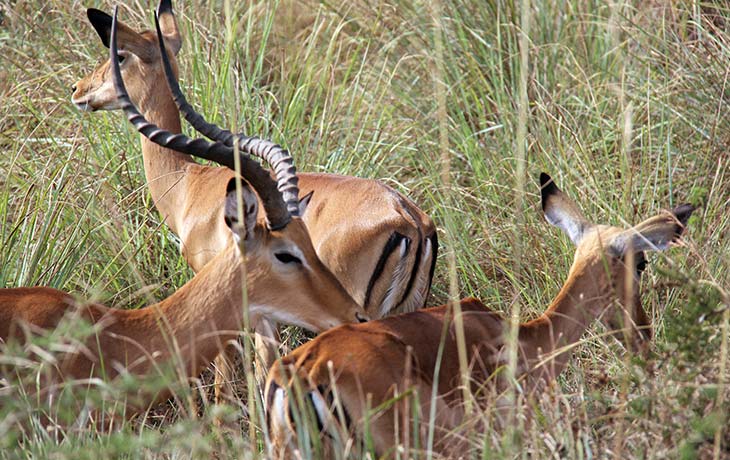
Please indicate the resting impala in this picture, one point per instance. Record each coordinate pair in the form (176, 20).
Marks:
(375, 360)
(377, 242)
(286, 282)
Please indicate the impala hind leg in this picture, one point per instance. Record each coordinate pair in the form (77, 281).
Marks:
(230, 377)
(266, 349)
(223, 369)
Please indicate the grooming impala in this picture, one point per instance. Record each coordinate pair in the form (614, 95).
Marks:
(370, 363)
(379, 245)
(286, 281)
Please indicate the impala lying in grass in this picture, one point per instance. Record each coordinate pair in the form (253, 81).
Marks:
(346, 372)
(285, 281)
(377, 242)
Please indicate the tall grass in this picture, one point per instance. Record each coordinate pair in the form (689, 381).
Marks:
(623, 103)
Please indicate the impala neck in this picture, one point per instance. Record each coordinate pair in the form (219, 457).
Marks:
(581, 300)
(201, 317)
(164, 168)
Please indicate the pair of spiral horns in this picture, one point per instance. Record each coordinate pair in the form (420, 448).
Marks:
(279, 198)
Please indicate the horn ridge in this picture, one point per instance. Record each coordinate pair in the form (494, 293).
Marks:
(282, 163)
(270, 152)
(277, 215)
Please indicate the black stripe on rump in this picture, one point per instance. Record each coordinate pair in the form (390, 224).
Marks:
(330, 401)
(392, 243)
(414, 275)
(270, 402)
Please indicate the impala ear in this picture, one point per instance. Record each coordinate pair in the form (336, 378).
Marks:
(656, 233)
(250, 206)
(102, 23)
(168, 25)
(561, 211)
(304, 203)
(129, 40)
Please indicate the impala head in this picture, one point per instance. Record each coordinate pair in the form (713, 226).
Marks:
(139, 56)
(614, 257)
(287, 281)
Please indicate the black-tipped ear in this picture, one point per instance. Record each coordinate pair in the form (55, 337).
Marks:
(304, 203)
(547, 188)
(561, 211)
(165, 6)
(102, 23)
(166, 22)
(683, 213)
(655, 233)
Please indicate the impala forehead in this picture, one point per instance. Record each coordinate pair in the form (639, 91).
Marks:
(295, 233)
(598, 239)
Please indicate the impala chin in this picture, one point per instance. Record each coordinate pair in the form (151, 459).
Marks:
(313, 326)
(83, 106)
(89, 105)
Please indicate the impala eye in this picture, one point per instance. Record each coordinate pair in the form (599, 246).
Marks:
(120, 58)
(287, 258)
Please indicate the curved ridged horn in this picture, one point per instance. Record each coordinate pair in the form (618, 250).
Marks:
(277, 215)
(275, 155)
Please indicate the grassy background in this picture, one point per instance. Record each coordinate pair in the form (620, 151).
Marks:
(627, 109)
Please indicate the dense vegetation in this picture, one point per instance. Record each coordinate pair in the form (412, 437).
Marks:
(459, 104)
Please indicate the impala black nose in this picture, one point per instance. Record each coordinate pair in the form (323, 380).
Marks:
(73, 89)
(361, 318)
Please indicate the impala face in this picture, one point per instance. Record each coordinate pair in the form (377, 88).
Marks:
(302, 281)
(139, 58)
(95, 91)
(616, 254)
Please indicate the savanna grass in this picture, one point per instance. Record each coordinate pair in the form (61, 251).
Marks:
(626, 108)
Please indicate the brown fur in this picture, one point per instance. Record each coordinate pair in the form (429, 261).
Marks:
(371, 363)
(349, 219)
(199, 319)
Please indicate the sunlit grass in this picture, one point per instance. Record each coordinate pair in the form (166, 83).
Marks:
(626, 109)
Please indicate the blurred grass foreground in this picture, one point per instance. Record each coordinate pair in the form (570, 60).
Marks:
(458, 104)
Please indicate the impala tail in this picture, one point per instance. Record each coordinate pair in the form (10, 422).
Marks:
(403, 273)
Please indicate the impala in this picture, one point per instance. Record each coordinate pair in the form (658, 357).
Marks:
(285, 280)
(380, 246)
(377, 242)
(348, 370)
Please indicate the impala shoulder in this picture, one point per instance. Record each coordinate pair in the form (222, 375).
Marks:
(474, 304)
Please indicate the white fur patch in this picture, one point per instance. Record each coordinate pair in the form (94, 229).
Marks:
(322, 411)
(400, 275)
(278, 409)
(278, 315)
(564, 221)
(420, 285)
